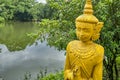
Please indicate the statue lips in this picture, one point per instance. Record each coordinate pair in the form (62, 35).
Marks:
(82, 38)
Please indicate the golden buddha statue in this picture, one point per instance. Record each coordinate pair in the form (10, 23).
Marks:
(84, 58)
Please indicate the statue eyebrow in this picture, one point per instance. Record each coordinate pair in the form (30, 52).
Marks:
(83, 27)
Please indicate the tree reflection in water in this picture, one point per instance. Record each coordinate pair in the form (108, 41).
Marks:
(14, 35)
(20, 53)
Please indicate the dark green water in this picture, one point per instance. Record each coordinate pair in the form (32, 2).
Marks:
(20, 53)
(14, 35)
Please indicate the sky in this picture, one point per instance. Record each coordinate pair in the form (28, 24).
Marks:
(42, 1)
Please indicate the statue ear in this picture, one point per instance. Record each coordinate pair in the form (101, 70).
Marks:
(97, 30)
(99, 26)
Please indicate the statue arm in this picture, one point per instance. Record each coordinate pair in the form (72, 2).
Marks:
(68, 74)
(98, 69)
(97, 74)
(67, 61)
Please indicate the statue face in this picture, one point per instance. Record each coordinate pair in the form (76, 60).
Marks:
(84, 31)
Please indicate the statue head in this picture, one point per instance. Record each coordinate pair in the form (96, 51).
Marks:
(88, 26)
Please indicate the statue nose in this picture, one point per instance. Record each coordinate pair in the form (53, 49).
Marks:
(81, 33)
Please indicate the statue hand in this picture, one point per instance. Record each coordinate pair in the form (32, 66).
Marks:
(69, 75)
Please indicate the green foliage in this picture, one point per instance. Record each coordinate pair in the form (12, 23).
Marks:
(58, 33)
(110, 36)
(118, 61)
(43, 75)
(27, 76)
(57, 76)
(58, 27)
(61, 28)
(6, 9)
(24, 10)
(2, 20)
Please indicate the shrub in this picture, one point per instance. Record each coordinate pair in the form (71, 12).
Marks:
(57, 76)
(2, 20)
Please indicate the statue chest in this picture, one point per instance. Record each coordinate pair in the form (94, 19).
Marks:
(87, 57)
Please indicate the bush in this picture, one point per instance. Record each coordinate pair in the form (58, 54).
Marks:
(2, 20)
(57, 76)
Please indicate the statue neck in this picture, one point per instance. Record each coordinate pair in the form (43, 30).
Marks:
(84, 44)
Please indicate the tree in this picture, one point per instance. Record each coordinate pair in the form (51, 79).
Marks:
(6, 9)
(24, 10)
(61, 30)
(110, 36)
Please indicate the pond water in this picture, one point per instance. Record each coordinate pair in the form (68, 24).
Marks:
(19, 54)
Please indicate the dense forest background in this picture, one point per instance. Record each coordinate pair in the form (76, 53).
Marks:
(57, 24)
(24, 10)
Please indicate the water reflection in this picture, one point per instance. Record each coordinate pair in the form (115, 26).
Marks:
(14, 35)
(18, 56)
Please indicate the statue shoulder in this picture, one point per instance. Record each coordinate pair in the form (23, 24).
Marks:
(100, 48)
(99, 53)
(72, 44)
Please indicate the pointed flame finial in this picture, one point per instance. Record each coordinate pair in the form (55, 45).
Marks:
(87, 15)
(88, 7)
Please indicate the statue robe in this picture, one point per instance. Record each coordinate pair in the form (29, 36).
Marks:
(86, 66)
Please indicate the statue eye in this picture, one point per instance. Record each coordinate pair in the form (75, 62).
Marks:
(84, 29)
(79, 29)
